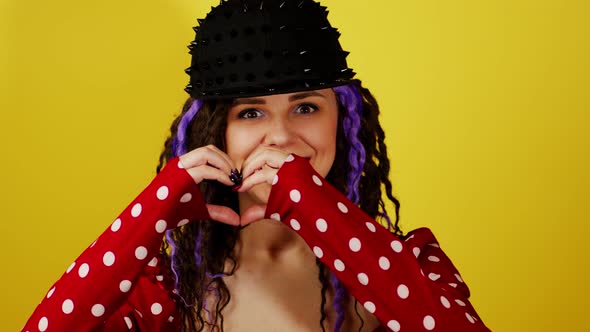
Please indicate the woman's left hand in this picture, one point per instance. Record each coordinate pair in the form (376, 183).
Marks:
(261, 166)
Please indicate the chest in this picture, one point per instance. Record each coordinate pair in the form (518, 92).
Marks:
(289, 302)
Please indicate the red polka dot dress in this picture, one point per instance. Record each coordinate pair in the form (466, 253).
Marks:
(118, 284)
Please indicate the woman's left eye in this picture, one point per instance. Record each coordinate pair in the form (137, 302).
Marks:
(306, 108)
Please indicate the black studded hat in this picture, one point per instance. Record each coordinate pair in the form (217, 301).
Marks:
(246, 48)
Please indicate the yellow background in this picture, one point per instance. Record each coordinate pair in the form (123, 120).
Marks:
(485, 105)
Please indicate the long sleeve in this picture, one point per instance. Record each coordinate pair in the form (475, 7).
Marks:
(409, 285)
(116, 284)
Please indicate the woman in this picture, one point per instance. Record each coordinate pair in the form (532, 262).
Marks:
(288, 242)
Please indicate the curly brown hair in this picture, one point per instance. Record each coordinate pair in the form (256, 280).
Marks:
(217, 240)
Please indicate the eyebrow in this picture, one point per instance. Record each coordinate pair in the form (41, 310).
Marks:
(293, 97)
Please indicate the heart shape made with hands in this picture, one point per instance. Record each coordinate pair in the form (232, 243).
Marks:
(259, 167)
(228, 216)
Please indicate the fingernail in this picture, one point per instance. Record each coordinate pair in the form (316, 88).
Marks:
(235, 176)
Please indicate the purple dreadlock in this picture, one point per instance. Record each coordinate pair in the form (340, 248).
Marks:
(179, 143)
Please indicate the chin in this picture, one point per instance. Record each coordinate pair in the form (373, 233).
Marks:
(322, 169)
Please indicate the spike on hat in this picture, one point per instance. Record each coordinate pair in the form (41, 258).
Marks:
(239, 51)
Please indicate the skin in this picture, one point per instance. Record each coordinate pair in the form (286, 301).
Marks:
(261, 133)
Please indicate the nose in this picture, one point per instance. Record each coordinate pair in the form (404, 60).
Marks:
(279, 132)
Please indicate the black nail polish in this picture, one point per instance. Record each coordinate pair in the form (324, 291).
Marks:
(235, 176)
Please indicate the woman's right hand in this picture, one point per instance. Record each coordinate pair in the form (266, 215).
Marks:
(210, 163)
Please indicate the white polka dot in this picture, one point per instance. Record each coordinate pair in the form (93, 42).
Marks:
(371, 227)
(428, 322)
(318, 252)
(459, 302)
(162, 193)
(93, 243)
(109, 258)
(67, 306)
(186, 198)
(416, 251)
(396, 246)
(393, 325)
(452, 284)
(469, 318)
(128, 322)
(384, 263)
(458, 277)
(275, 179)
(295, 195)
(116, 225)
(83, 270)
(434, 245)
(139, 313)
(50, 292)
(159, 277)
(97, 310)
(182, 222)
(403, 291)
(180, 165)
(43, 323)
(161, 226)
(156, 308)
(354, 244)
(295, 224)
(370, 306)
(170, 319)
(445, 302)
(433, 259)
(290, 158)
(339, 265)
(342, 207)
(316, 180)
(125, 286)
(141, 253)
(321, 225)
(153, 262)
(136, 210)
(71, 267)
(275, 216)
(433, 276)
(363, 278)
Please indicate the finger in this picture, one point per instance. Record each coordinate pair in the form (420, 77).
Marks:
(203, 156)
(264, 175)
(253, 155)
(206, 172)
(252, 214)
(223, 154)
(272, 158)
(223, 214)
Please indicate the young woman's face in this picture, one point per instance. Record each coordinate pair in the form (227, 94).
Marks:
(303, 123)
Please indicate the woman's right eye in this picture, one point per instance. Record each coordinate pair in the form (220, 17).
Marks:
(249, 113)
